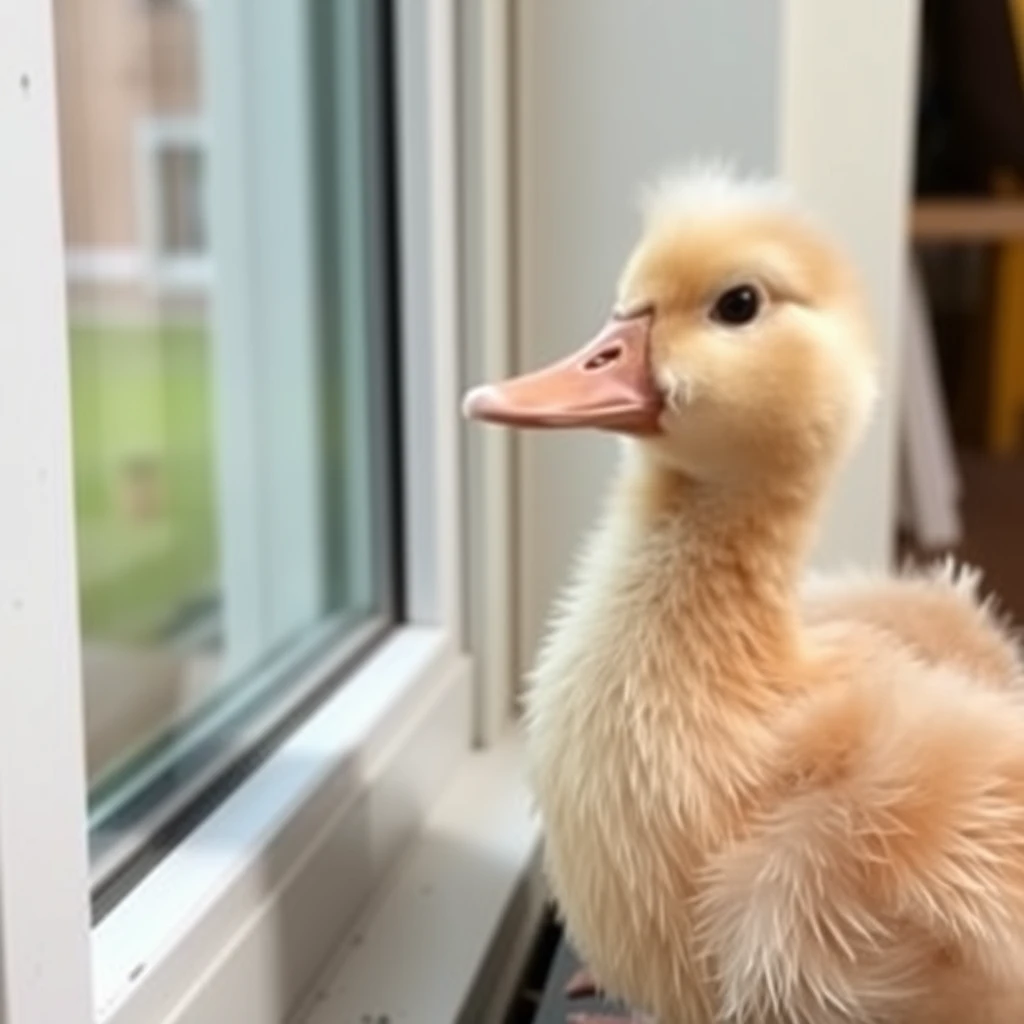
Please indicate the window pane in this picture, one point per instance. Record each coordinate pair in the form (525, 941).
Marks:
(228, 227)
(179, 185)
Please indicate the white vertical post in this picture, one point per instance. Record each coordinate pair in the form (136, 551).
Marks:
(846, 139)
(428, 204)
(485, 69)
(442, 54)
(44, 897)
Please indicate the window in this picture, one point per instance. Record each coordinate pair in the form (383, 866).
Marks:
(180, 184)
(262, 478)
(234, 403)
(172, 197)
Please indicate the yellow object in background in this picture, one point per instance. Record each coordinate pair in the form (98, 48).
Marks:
(1006, 360)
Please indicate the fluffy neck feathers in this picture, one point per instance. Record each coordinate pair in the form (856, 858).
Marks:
(689, 587)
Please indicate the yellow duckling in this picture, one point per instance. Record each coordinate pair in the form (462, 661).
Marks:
(763, 803)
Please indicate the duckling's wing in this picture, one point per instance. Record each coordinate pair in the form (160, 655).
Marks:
(937, 612)
(890, 859)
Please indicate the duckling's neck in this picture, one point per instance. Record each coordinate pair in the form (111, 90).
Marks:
(692, 586)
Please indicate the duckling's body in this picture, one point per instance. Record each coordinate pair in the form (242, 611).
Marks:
(638, 788)
(939, 614)
(663, 735)
(763, 805)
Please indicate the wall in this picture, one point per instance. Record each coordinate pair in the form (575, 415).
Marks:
(847, 100)
(610, 92)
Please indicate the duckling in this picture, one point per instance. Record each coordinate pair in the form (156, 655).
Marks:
(937, 610)
(762, 804)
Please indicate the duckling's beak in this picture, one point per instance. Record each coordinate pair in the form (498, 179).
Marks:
(606, 384)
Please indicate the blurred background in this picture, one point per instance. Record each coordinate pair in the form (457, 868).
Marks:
(967, 300)
(230, 337)
(228, 176)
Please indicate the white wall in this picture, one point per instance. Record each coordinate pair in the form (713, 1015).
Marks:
(610, 92)
(845, 124)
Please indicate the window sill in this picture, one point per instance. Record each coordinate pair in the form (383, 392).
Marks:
(447, 938)
(238, 921)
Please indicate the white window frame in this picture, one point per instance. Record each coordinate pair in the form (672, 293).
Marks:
(44, 966)
(237, 920)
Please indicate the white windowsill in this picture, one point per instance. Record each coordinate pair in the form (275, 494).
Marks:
(447, 937)
(238, 921)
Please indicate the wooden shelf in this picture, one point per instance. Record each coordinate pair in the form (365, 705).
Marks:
(967, 220)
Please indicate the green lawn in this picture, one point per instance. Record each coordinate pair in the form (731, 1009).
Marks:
(142, 394)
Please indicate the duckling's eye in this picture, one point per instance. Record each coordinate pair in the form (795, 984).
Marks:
(737, 306)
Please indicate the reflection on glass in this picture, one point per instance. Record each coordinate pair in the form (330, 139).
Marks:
(140, 361)
(217, 448)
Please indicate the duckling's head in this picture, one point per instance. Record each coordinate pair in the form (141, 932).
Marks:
(738, 346)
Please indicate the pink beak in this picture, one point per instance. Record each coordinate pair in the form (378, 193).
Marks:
(607, 384)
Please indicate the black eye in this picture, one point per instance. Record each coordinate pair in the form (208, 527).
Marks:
(737, 306)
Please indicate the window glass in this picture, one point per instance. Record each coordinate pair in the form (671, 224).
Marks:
(228, 229)
(179, 187)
